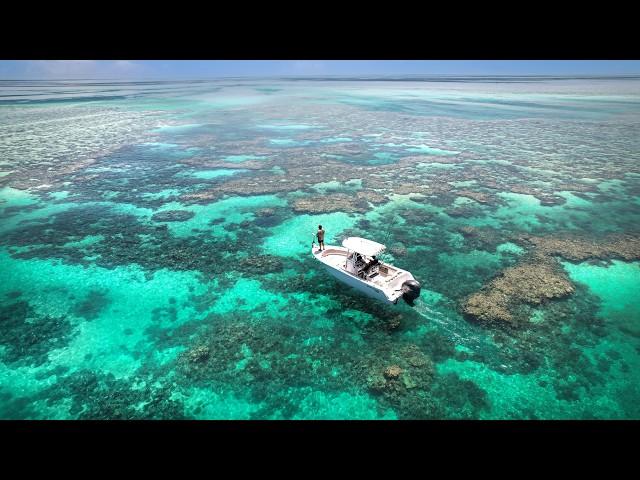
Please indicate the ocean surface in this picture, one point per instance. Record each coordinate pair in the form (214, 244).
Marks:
(155, 248)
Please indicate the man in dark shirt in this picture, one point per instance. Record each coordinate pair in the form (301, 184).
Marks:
(320, 235)
(374, 261)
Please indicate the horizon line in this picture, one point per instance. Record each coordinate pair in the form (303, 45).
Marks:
(346, 76)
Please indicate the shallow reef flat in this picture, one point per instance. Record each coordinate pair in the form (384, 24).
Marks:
(154, 250)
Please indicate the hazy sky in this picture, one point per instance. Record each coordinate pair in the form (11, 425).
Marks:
(174, 69)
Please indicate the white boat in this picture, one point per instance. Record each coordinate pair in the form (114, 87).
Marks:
(356, 264)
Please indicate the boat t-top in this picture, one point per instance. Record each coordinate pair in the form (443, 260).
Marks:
(357, 265)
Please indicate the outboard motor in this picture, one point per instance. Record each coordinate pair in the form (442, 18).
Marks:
(410, 291)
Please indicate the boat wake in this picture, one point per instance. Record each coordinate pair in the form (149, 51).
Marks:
(460, 334)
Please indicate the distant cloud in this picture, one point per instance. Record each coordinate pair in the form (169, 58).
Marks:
(308, 67)
(52, 69)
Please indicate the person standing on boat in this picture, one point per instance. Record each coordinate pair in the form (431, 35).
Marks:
(320, 235)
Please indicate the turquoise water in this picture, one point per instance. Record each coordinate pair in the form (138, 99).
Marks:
(217, 173)
(154, 250)
(242, 158)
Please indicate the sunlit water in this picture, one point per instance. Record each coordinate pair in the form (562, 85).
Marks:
(155, 263)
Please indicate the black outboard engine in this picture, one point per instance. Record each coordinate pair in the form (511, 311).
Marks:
(410, 291)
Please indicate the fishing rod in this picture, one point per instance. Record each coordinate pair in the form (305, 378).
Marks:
(388, 236)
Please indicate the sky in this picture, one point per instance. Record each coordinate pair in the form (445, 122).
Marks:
(203, 69)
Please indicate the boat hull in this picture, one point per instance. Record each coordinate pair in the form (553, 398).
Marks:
(359, 285)
(335, 269)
